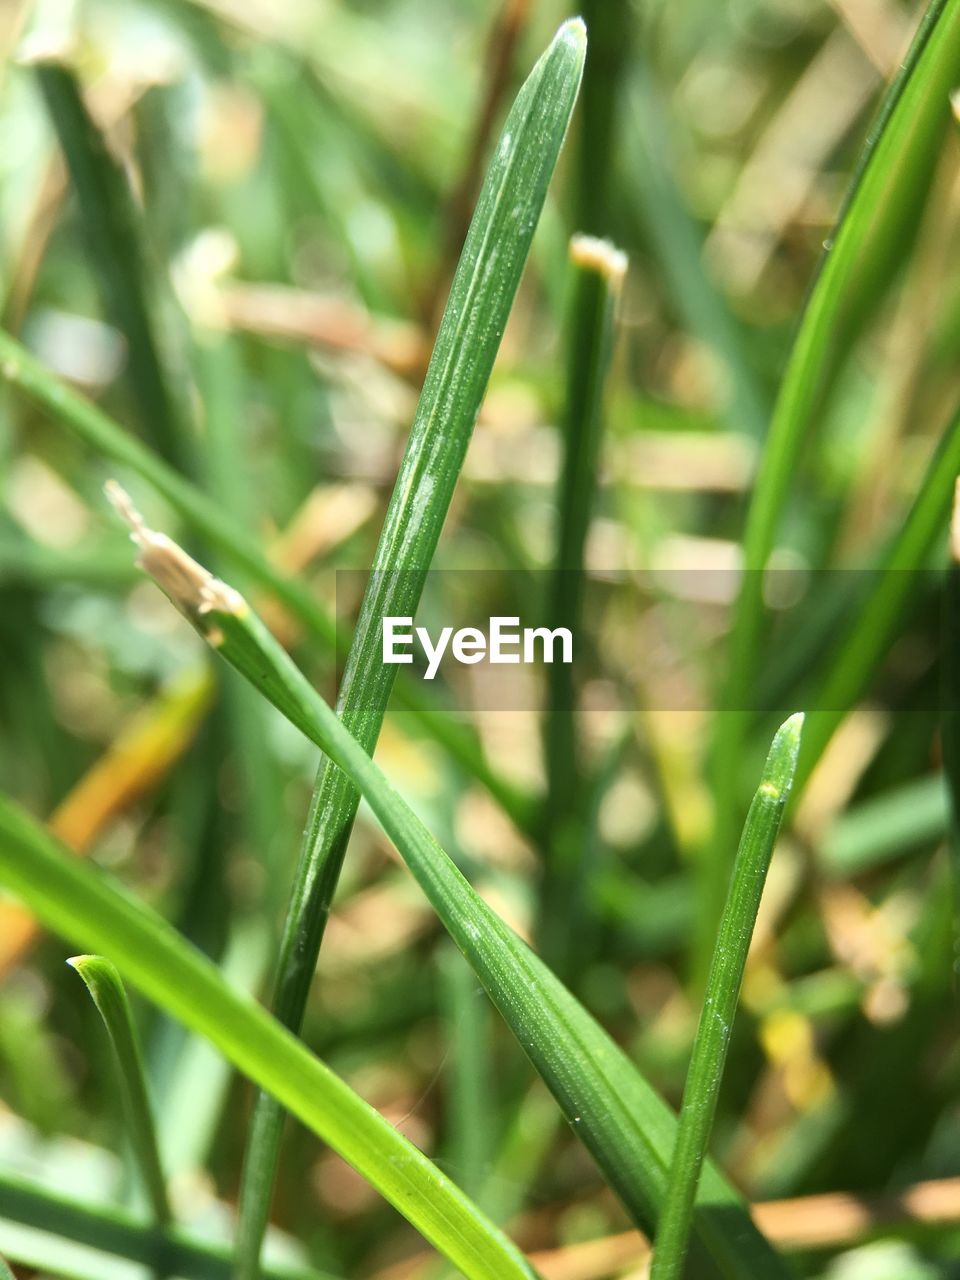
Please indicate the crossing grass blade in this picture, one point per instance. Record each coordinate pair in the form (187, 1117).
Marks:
(82, 905)
(108, 994)
(481, 297)
(627, 1128)
(862, 254)
(97, 430)
(712, 1040)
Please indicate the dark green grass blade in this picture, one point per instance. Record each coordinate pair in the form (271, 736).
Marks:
(129, 280)
(73, 899)
(91, 425)
(481, 297)
(598, 271)
(120, 1233)
(624, 1124)
(106, 990)
(709, 1055)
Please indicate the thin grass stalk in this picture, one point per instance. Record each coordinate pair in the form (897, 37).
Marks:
(619, 1118)
(122, 1234)
(707, 1061)
(107, 992)
(598, 271)
(481, 297)
(861, 255)
(130, 283)
(91, 425)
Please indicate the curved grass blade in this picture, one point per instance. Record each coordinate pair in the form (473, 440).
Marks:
(128, 280)
(862, 254)
(598, 272)
(110, 1230)
(77, 902)
(860, 651)
(712, 1040)
(627, 1128)
(107, 992)
(90, 424)
(481, 297)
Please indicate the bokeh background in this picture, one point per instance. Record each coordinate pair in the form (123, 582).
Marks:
(305, 170)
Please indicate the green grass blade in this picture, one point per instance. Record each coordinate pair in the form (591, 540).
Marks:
(469, 1098)
(859, 652)
(91, 425)
(620, 1119)
(598, 271)
(118, 1232)
(82, 905)
(864, 251)
(107, 992)
(712, 1040)
(481, 297)
(5, 1272)
(130, 285)
(950, 717)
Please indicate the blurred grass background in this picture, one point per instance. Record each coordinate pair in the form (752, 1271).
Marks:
(306, 171)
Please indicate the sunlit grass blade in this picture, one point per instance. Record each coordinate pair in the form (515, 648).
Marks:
(91, 425)
(76, 901)
(598, 271)
(99, 1229)
(481, 297)
(712, 1041)
(107, 992)
(627, 1128)
(863, 252)
(129, 281)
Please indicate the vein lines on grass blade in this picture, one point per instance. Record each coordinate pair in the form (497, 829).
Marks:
(481, 297)
(621, 1120)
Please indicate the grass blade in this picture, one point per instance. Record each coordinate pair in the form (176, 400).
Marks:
(120, 1233)
(863, 252)
(709, 1055)
(113, 234)
(860, 651)
(598, 271)
(950, 715)
(107, 992)
(481, 297)
(90, 424)
(77, 902)
(623, 1123)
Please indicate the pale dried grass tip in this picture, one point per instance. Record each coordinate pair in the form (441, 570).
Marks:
(191, 587)
(593, 254)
